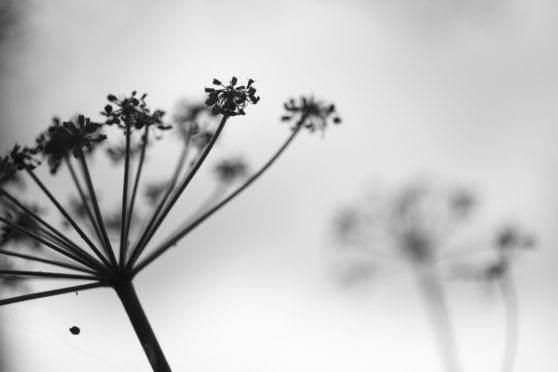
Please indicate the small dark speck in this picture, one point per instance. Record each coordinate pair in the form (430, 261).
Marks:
(75, 330)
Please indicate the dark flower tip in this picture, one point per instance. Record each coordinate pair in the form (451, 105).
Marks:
(231, 100)
(309, 113)
(132, 112)
(61, 140)
(229, 170)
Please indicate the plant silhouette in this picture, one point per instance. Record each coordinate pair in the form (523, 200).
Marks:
(95, 259)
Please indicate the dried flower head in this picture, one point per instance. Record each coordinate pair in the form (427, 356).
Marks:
(231, 100)
(194, 122)
(61, 140)
(132, 112)
(230, 170)
(309, 113)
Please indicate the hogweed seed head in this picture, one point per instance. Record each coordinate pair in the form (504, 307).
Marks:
(310, 113)
(229, 170)
(231, 100)
(132, 112)
(61, 140)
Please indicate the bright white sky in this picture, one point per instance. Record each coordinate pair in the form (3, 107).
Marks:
(459, 90)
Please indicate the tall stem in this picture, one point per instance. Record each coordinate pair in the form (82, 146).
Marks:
(509, 296)
(146, 336)
(439, 315)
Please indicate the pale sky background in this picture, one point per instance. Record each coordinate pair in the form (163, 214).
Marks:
(462, 91)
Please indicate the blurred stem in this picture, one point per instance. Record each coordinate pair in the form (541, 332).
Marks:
(146, 336)
(429, 282)
(176, 237)
(511, 304)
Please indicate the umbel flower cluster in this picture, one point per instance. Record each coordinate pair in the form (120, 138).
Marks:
(108, 248)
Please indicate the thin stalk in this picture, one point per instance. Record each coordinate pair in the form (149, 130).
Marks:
(176, 237)
(47, 261)
(47, 274)
(124, 222)
(78, 250)
(96, 209)
(132, 201)
(87, 210)
(49, 244)
(50, 293)
(511, 303)
(155, 223)
(439, 315)
(142, 327)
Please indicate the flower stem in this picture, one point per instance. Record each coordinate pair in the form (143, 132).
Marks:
(441, 321)
(124, 223)
(146, 336)
(50, 293)
(176, 237)
(509, 296)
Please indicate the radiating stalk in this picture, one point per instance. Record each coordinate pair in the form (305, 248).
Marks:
(50, 293)
(176, 237)
(156, 222)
